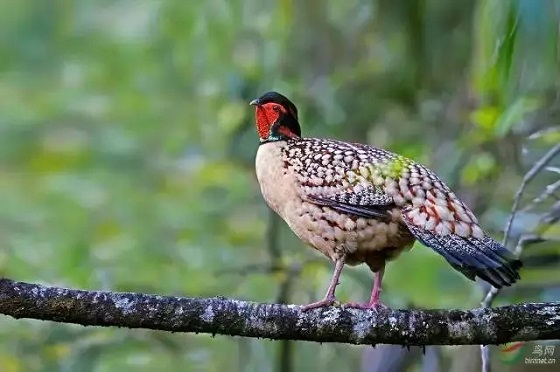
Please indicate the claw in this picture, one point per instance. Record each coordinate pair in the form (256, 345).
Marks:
(329, 297)
(327, 301)
(374, 303)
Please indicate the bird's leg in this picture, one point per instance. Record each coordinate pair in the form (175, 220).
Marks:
(329, 298)
(374, 299)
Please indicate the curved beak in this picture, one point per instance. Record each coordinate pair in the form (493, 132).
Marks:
(254, 102)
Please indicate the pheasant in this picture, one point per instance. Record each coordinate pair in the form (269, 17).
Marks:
(360, 204)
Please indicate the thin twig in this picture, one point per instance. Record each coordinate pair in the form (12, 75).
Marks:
(548, 192)
(267, 268)
(493, 292)
(254, 268)
(543, 162)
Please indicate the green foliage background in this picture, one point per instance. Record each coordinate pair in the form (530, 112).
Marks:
(127, 145)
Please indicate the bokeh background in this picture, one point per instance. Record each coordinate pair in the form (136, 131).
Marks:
(127, 149)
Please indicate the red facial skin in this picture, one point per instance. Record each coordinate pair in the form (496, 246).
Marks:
(266, 115)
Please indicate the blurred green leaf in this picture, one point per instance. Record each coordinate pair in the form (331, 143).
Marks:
(514, 114)
(127, 151)
(478, 168)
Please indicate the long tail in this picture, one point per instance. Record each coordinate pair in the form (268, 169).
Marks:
(485, 258)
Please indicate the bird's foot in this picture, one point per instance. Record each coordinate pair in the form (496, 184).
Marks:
(327, 301)
(371, 305)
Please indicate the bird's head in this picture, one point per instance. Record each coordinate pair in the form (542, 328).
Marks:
(276, 118)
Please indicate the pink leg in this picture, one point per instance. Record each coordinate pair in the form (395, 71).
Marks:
(329, 296)
(374, 299)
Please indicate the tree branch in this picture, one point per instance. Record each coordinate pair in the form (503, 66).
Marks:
(529, 176)
(281, 322)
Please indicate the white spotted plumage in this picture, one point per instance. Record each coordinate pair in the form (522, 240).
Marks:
(365, 204)
(334, 195)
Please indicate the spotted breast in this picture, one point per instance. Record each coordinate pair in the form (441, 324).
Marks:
(303, 179)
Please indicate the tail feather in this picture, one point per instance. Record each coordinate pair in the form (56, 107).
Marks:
(500, 253)
(485, 258)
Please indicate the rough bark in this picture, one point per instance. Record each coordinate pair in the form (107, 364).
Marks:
(224, 316)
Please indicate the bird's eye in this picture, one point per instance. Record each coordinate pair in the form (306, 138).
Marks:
(276, 108)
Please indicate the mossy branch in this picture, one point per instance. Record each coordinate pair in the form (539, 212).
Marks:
(524, 322)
